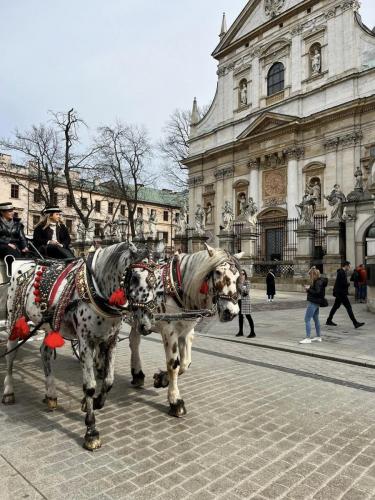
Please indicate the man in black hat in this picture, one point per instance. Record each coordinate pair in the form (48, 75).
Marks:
(51, 236)
(12, 237)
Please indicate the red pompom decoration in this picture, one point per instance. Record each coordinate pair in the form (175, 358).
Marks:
(37, 300)
(39, 273)
(118, 298)
(36, 292)
(53, 340)
(36, 284)
(20, 329)
(204, 288)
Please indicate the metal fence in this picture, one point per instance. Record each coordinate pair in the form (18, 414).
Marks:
(319, 241)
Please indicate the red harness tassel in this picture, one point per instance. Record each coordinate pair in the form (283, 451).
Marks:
(204, 288)
(20, 329)
(118, 298)
(53, 340)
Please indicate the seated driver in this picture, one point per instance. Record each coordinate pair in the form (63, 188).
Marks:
(51, 236)
(12, 237)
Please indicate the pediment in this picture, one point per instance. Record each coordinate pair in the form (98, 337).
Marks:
(267, 122)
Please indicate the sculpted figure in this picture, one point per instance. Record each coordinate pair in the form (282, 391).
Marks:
(316, 61)
(228, 215)
(181, 220)
(243, 93)
(139, 227)
(358, 175)
(200, 219)
(152, 232)
(248, 210)
(336, 200)
(317, 192)
(306, 208)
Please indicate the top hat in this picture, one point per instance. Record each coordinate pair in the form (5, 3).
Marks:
(51, 210)
(6, 206)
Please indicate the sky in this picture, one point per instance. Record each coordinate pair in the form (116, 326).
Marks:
(129, 60)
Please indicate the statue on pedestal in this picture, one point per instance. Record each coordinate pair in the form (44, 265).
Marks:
(316, 61)
(200, 219)
(306, 209)
(228, 216)
(316, 191)
(358, 175)
(139, 227)
(248, 210)
(243, 93)
(181, 220)
(152, 232)
(336, 200)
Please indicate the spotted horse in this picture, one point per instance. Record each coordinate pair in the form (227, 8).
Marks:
(175, 295)
(84, 300)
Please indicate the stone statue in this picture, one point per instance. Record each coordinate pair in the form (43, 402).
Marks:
(228, 216)
(152, 232)
(358, 175)
(248, 210)
(336, 200)
(272, 8)
(316, 61)
(306, 209)
(316, 192)
(139, 227)
(109, 229)
(243, 93)
(85, 233)
(200, 219)
(181, 220)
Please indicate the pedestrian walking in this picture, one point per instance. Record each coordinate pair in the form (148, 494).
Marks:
(355, 277)
(340, 292)
(315, 299)
(245, 306)
(271, 287)
(362, 284)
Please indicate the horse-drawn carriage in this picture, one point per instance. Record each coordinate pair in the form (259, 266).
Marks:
(85, 301)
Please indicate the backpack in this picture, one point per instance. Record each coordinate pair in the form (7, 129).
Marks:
(355, 276)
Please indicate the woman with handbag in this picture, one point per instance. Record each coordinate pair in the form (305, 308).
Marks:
(245, 305)
(315, 299)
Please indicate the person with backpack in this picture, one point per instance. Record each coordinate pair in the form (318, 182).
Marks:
(355, 277)
(315, 299)
(340, 292)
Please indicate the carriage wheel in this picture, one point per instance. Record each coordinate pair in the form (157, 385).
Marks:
(75, 348)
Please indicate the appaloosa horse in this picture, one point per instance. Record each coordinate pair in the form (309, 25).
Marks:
(83, 300)
(188, 285)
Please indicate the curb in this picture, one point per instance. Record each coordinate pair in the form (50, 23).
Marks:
(328, 357)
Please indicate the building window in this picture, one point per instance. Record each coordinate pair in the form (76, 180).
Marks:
(165, 237)
(139, 212)
(69, 225)
(97, 229)
(165, 216)
(36, 219)
(97, 205)
(14, 191)
(122, 210)
(110, 207)
(69, 201)
(84, 203)
(275, 79)
(37, 195)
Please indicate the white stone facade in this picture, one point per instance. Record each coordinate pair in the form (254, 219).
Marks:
(317, 128)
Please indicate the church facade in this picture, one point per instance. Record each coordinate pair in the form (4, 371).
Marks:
(293, 113)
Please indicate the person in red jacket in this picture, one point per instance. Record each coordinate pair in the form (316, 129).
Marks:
(362, 283)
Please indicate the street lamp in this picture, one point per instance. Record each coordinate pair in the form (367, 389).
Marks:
(123, 226)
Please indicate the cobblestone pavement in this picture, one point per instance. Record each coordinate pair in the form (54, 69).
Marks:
(261, 424)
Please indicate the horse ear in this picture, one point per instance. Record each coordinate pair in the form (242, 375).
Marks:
(239, 256)
(210, 250)
(133, 249)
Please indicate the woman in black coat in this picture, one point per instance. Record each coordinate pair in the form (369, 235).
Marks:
(271, 288)
(51, 237)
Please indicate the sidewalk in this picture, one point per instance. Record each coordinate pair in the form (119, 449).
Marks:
(280, 325)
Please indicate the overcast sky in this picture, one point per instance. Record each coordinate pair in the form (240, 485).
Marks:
(134, 60)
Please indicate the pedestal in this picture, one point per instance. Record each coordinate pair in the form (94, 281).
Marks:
(196, 242)
(370, 266)
(305, 248)
(248, 242)
(333, 259)
(180, 243)
(226, 241)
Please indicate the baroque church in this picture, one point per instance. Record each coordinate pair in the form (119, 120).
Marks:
(293, 112)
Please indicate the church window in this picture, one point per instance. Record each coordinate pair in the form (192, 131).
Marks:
(275, 79)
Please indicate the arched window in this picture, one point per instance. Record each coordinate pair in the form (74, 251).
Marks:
(275, 79)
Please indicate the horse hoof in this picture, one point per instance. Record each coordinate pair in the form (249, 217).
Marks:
(177, 409)
(84, 405)
(98, 403)
(138, 379)
(161, 380)
(92, 443)
(8, 399)
(51, 403)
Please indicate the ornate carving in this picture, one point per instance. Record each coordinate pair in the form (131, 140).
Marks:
(272, 8)
(350, 4)
(273, 202)
(294, 152)
(224, 172)
(296, 30)
(330, 13)
(274, 184)
(344, 140)
(195, 181)
(252, 163)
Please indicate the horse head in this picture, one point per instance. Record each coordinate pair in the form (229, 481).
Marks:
(142, 280)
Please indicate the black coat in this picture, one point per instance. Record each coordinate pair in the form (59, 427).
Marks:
(270, 281)
(12, 234)
(317, 291)
(43, 236)
(341, 285)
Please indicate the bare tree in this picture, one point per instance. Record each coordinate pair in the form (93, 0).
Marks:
(40, 153)
(124, 151)
(174, 146)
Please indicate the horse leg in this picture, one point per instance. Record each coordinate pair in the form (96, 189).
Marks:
(138, 377)
(108, 351)
(184, 347)
(177, 405)
(51, 394)
(161, 378)
(87, 356)
(8, 394)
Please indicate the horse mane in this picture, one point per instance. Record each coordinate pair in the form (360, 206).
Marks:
(195, 268)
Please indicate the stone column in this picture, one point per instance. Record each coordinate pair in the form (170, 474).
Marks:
(254, 181)
(293, 153)
(219, 188)
(332, 260)
(305, 248)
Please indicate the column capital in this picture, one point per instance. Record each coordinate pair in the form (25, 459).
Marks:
(253, 164)
(294, 152)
